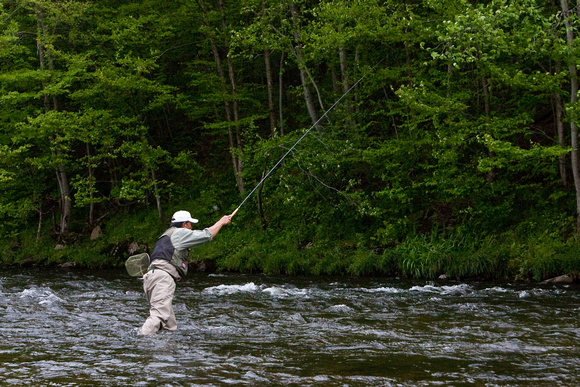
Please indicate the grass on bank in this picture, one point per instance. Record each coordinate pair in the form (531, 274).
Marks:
(514, 256)
(417, 256)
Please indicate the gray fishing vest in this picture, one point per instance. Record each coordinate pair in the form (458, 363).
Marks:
(165, 250)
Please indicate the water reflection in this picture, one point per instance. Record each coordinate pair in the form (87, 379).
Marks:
(78, 328)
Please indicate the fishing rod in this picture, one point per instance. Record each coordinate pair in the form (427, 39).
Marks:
(304, 135)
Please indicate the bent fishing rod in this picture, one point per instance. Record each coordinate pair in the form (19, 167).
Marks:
(304, 135)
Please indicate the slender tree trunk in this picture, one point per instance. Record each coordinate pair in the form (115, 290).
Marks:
(238, 144)
(344, 74)
(573, 99)
(235, 143)
(39, 224)
(270, 84)
(308, 95)
(112, 173)
(237, 171)
(449, 72)
(345, 84)
(311, 78)
(334, 78)
(559, 118)
(167, 114)
(356, 97)
(233, 84)
(45, 53)
(408, 59)
(281, 93)
(259, 196)
(40, 49)
(91, 184)
(156, 189)
(65, 202)
(303, 76)
(61, 175)
(343, 69)
(486, 103)
(487, 109)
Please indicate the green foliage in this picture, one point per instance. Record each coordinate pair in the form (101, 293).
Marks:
(445, 159)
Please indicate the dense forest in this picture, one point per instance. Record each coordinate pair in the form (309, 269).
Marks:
(443, 141)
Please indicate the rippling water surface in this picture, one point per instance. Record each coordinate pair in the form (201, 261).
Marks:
(75, 328)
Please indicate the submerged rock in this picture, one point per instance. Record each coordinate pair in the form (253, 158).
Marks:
(297, 318)
(563, 279)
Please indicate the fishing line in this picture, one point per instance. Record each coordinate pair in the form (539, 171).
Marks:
(305, 134)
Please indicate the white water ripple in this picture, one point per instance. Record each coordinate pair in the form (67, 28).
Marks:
(221, 290)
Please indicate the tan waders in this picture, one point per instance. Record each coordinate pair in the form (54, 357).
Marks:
(159, 287)
(168, 263)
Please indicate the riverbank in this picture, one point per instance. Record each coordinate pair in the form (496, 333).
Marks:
(452, 255)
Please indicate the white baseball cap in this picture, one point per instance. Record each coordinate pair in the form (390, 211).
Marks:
(182, 216)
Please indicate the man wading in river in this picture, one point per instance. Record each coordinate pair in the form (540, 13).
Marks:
(169, 264)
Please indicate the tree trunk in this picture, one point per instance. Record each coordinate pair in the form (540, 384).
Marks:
(486, 103)
(157, 197)
(91, 181)
(39, 223)
(237, 171)
(344, 75)
(303, 76)
(487, 108)
(40, 49)
(65, 202)
(345, 84)
(334, 78)
(449, 72)
(232, 77)
(270, 84)
(234, 144)
(61, 175)
(559, 118)
(259, 196)
(357, 64)
(281, 93)
(408, 59)
(573, 99)
(238, 144)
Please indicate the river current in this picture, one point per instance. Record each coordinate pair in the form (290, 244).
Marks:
(75, 328)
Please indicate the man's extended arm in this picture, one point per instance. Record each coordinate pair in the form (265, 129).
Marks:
(226, 219)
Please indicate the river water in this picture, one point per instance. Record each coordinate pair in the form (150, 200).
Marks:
(74, 328)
